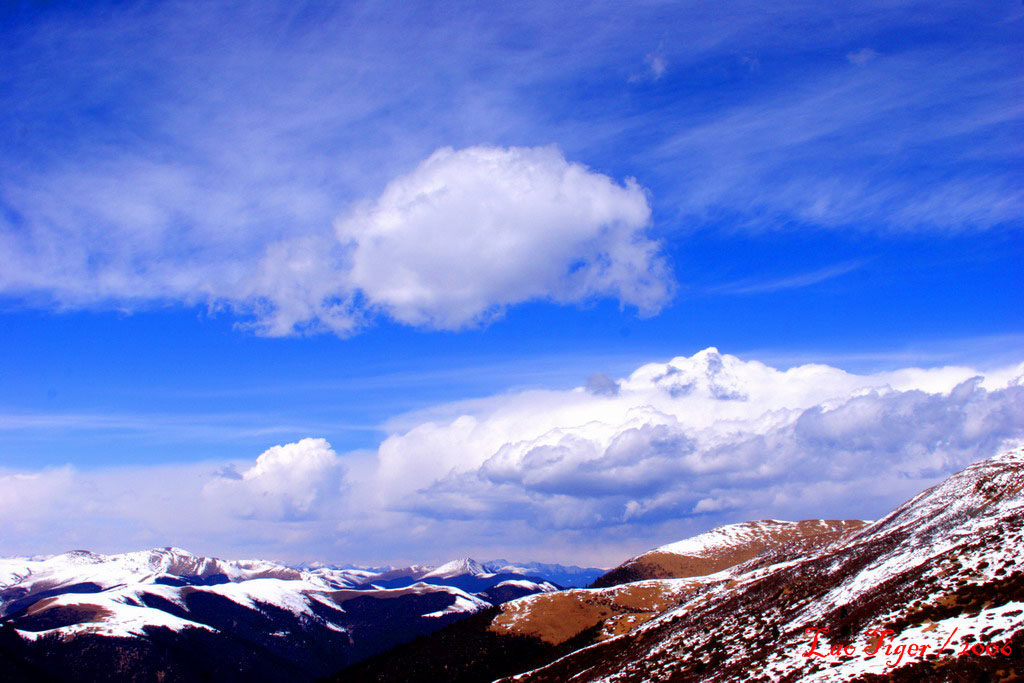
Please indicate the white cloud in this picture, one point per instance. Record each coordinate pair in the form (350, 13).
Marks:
(450, 244)
(290, 482)
(175, 154)
(799, 281)
(845, 148)
(680, 447)
(470, 231)
(655, 67)
(26, 497)
(708, 392)
(58, 509)
(710, 435)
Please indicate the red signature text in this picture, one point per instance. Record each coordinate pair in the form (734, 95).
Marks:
(884, 643)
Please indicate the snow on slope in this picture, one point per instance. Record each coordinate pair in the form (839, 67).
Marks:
(24, 578)
(109, 614)
(112, 596)
(122, 595)
(528, 585)
(728, 546)
(944, 569)
(569, 576)
(464, 602)
(260, 620)
(459, 567)
(733, 535)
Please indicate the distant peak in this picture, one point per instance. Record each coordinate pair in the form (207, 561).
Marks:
(465, 565)
(82, 556)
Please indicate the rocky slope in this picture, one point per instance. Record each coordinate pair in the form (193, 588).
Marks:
(900, 598)
(726, 547)
(943, 573)
(933, 591)
(542, 627)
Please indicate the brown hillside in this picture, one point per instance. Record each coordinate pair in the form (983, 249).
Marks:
(751, 539)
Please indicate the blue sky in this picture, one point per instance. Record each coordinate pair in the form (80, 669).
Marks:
(225, 228)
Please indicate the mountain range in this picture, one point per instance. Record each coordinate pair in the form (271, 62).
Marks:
(932, 591)
(166, 610)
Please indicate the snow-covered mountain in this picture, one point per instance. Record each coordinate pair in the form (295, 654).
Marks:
(58, 613)
(567, 576)
(462, 567)
(933, 591)
(493, 584)
(81, 571)
(402, 575)
(726, 547)
(943, 573)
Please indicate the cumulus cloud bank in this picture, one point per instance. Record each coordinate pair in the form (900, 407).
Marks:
(449, 244)
(702, 435)
(604, 470)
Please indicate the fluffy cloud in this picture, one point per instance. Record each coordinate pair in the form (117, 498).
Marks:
(680, 447)
(472, 230)
(714, 394)
(290, 482)
(463, 235)
(455, 241)
(707, 435)
(187, 152)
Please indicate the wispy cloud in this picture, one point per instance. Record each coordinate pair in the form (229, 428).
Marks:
(809, 279)
(656, 66)
(176, 428)
(196, 153)
(862, 56)
(857, 149)
(449, 245)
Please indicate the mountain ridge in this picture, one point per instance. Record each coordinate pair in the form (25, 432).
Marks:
(162, 606)
(943, 565)
(737, 603)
